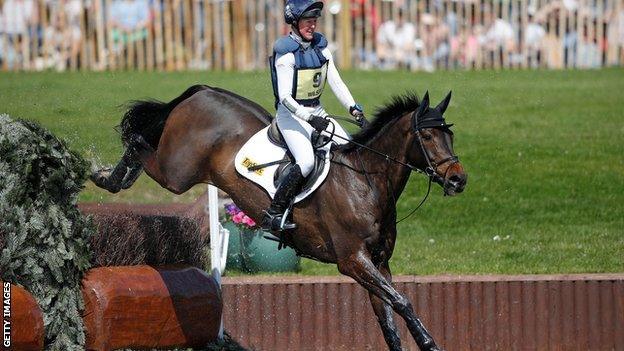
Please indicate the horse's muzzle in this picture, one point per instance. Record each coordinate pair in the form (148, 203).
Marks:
(455, 184)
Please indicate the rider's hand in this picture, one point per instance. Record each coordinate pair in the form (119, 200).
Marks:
(358, 112)
(319, 123)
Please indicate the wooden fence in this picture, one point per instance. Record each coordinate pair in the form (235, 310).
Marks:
(171, 35)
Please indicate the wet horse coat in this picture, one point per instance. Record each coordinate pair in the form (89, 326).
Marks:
(349, 220)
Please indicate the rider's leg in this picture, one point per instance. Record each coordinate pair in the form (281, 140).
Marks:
(296, 134)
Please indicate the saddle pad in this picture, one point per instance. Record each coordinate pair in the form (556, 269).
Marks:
(260, 150)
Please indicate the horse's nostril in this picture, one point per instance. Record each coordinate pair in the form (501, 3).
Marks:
(455, 179)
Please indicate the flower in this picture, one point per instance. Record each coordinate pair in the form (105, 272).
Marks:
(250, 222)
(238, 217)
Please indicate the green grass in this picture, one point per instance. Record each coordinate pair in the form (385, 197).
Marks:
(543, 150)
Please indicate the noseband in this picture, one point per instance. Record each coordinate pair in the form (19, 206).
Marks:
(432, 166)
(432, 119)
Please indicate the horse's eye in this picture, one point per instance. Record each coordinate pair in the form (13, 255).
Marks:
(427, 136)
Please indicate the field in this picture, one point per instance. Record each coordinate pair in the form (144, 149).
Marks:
(543, 150)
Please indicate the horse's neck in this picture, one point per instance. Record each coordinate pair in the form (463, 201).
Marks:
(394, 141)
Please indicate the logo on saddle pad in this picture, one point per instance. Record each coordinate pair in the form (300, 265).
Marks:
(248, 163)
(259, 150)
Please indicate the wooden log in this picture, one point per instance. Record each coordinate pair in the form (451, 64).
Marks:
(26, 320)
(147, 307)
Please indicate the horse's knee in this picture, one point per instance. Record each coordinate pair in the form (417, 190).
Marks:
(402, 305)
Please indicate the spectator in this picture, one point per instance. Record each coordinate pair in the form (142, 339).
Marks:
(17, 17)
(16, 20)
(500, 39)
(534, 35)
(64, 35)
(128, 20)
(395, 43)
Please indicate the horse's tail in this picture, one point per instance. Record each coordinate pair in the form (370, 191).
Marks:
(147, 117)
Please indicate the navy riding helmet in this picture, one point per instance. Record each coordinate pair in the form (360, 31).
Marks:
(298, 9)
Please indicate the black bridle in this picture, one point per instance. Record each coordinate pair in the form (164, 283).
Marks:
(430, 170)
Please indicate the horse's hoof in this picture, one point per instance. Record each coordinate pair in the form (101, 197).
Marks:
(101, 180)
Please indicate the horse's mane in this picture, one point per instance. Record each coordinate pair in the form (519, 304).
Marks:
(383, 117)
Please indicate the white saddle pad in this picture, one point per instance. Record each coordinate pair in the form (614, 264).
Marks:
(260, 150)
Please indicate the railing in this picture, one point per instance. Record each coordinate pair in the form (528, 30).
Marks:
(238, 34)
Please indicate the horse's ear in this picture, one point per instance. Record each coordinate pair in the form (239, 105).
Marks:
(444, 104)
(424, 104)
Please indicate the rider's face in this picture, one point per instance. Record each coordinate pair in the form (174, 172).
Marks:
(306, 27)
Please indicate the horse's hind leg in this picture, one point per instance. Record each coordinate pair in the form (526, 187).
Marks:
(122, 176)
(385, 315)
(151, 162)
(360, 267)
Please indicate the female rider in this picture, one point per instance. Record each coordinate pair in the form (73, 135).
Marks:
(300, 65)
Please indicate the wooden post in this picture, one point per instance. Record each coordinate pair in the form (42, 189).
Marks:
(169, 44)
(149, 43)
(345, 35)
(269, 29)
(227, 36)
(187, 44)
(241, 32)
(177, 35)
(208, 51)
(159, 44)
(197, 39)
(218, 35)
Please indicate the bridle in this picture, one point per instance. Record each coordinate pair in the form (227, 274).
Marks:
(432, 166)
(431, 170)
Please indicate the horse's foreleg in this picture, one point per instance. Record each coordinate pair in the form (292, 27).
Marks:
(360, 267)
(122, 176)
(385, 315)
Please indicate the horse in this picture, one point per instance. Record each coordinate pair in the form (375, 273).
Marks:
(349, 221)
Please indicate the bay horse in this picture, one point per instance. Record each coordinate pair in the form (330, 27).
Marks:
(349, 221)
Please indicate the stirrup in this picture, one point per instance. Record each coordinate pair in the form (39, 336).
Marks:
(277, 222)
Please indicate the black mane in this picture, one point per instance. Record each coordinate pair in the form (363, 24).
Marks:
(384, 116)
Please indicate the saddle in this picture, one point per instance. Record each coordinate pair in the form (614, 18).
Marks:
(265, 157)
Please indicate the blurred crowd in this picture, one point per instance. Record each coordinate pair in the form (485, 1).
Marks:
(415, 35)
(55, 29)
(556, 34)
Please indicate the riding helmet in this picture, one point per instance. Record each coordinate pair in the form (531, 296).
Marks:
(298, 9)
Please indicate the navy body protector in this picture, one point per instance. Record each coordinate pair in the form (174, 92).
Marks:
(310, 69)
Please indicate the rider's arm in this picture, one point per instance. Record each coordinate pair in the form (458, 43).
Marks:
(285, 69)
(335, 82)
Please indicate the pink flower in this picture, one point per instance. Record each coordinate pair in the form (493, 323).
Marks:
(248, 221)
(238, 218)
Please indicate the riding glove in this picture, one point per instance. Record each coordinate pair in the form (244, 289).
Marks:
(358, 112)
(319, 123)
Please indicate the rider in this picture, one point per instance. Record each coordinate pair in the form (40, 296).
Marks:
(300, 65)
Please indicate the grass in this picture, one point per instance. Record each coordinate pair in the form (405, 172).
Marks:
(543, 150)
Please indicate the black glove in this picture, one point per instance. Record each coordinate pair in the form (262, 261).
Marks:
(319, 123)
(362, 122)
(358, 112)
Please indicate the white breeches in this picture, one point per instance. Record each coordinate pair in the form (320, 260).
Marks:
(298, 134)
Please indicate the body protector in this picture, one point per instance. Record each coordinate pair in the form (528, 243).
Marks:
(310, 69)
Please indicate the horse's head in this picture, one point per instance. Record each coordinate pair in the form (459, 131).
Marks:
(434, 146)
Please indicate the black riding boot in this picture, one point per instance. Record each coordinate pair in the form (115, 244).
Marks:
(285, 194)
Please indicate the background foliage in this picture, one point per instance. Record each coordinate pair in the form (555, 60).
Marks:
(543, 150)
(45, 244)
